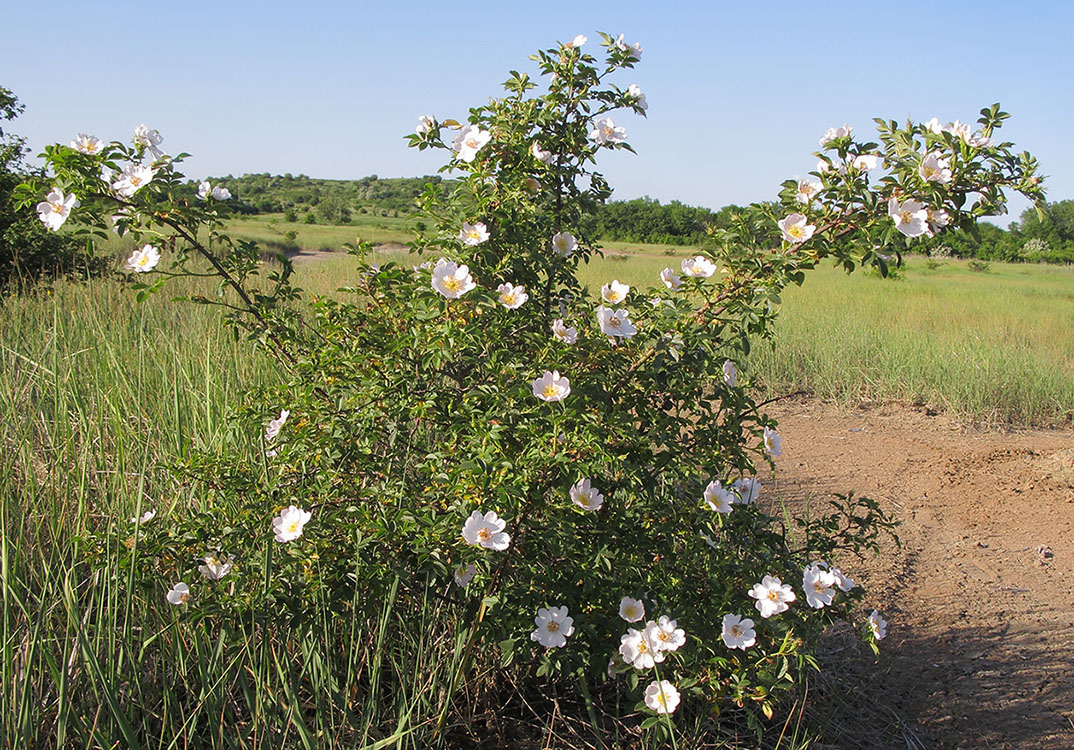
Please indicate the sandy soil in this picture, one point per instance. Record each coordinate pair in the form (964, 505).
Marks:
(980, 596)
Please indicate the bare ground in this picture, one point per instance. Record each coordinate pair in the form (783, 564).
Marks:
(980, 597)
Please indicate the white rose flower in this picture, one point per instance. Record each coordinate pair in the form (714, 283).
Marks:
(772, 596)
(662, 697)
(486, 531)
(615, 292)
(773, 443)
(56, 207)
(551, 387)
(585, 496)
(473, 234)
(215, 567)
(934, 168)
(878, 626)
(665, 634)
(179, 594)
(717, 498)
(512, 297)
(288, 525)
(823, 166)
(207, 191)
(578, 42)
(563, 333)
(934, 126)
(958, 129)
(615, 322)
(132, 179)
(564, 244)
(730, 373)
(87, 144)
(817, 584)
(146, 517)
(832, 133)
(425, 124)
(671, 279)
(738, 632)
(634, 49)
(808, 189)
(553, 627)
(979, 140)
(469, 141)
(746, 489)
(150, 139)
(698, 267)
(606, 131)
(540, 154)
(937, 218)
(796, 228)
(634, 92)
(144, 259)
(451, 279)
(638, 651)
(845, 582)
(867, 162)
(910, 216)
(631, 610)
(464, 574)
(272, 429)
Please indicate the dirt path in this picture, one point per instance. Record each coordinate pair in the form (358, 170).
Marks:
(981, 595)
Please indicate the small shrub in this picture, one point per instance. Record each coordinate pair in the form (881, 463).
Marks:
(978, 266)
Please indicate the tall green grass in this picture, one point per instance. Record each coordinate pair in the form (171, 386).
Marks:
(996, 347)
(100, 398)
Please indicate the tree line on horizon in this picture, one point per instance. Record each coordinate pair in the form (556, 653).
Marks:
(300, 198)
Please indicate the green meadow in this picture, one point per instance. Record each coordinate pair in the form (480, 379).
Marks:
(102, 396)
(994, 346)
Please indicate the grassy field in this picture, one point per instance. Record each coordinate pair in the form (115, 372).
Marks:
(100, 396)
(994, 346)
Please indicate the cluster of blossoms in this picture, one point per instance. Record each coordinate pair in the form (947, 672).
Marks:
(124, 184)
(911, 216)
(646, 647)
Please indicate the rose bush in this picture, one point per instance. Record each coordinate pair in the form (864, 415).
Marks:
(551, 464)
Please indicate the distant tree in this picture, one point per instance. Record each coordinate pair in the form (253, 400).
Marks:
(290, 215)
(310, 218)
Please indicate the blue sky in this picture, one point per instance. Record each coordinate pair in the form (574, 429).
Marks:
(738, 92)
